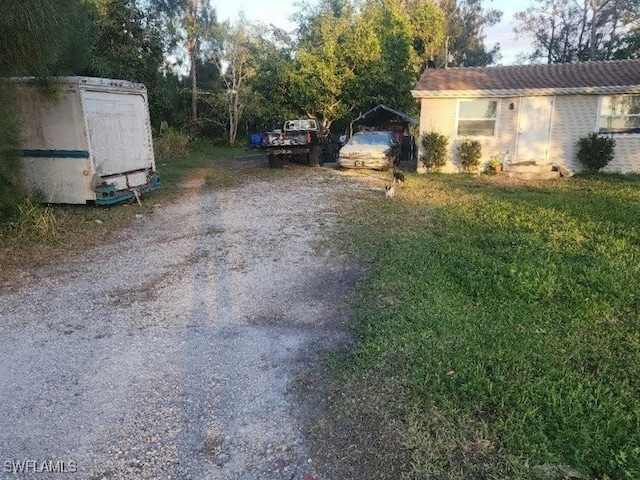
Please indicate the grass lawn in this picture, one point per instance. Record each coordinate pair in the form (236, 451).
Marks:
(507, 317)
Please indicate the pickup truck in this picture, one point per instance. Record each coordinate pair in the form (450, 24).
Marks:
(298, 140)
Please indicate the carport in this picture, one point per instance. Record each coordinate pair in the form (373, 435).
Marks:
(386, 118)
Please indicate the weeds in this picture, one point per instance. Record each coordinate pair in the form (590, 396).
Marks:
(33, 221)
(171, 144)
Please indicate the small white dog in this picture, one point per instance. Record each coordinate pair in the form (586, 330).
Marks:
(389, 191)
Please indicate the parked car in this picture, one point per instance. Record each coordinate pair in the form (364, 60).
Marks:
(377, 150)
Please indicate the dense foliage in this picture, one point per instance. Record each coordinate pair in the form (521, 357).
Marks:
(581, 30)
(469, 152)
(435, 150)
(595, 151)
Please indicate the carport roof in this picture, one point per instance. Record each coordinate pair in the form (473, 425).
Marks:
(381, 113)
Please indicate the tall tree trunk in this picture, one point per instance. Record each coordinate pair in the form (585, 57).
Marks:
(234, 117)
(191, 12)
(594, 23)
(583, 26)
(194, 85)
(552, 40)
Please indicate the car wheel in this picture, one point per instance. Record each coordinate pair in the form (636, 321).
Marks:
(275, 161)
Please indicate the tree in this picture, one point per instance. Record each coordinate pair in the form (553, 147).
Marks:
(465, 38)
(580, 31)
(629, 42)
(38, 39)
(396, 65)
(429, 25)
(129, 42)
(322, 71)
(270, 99)
(558, 37)
(192, 27)
(352, 56)
(233, 53)
(187, 21)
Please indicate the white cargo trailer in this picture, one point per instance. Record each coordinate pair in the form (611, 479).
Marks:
(86, 140)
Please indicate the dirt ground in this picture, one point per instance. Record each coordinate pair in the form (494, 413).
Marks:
(180, 348)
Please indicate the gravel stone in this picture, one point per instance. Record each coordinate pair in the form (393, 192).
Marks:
(172, 351)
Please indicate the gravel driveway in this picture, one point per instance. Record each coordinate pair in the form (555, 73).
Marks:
(173, 350)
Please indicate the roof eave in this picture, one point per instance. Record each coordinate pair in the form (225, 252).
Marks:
(525, 92)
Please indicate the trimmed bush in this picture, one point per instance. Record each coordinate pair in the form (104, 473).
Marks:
(595, 152)
(469, 153)
(434, 151)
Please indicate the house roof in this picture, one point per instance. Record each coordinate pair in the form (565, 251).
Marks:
(382, 113)
(568, 78)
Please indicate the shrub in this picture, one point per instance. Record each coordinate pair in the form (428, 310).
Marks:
(495, 164)
(469, 153)
(171, 144)
(595, 152)
(434, 150)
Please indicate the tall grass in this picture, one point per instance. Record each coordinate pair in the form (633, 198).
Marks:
(32, 221)
(511, 315)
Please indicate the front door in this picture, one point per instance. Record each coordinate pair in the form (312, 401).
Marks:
(534, 127)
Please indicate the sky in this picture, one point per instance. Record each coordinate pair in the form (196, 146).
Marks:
(277, 12)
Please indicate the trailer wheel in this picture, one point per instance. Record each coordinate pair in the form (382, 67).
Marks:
(275, 161)
(315, 156)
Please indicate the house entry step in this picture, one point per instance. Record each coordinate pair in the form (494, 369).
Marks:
(529, 167)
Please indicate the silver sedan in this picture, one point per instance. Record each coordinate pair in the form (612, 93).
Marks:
(374, 150)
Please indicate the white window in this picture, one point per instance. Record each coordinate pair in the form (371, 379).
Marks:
(477, 118)
(620, 114)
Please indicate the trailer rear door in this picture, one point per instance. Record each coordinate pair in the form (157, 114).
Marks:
(119, 133)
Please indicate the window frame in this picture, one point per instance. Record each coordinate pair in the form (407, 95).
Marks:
(460, 101)
(599, 130)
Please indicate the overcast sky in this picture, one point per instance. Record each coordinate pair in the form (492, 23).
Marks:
(277, 12)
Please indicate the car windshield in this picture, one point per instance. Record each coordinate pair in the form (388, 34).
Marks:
(373, 138)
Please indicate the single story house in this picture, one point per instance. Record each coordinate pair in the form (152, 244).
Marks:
(536, 113)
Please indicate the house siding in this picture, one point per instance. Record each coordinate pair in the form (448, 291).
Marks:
(574, 116)
(440, 115)
(626, 155)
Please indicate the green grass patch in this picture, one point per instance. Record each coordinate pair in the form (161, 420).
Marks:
(509, 313)
(203, 155)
